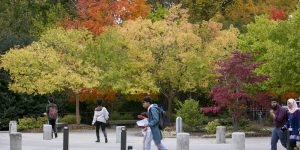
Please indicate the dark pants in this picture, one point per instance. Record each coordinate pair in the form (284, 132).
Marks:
(52, 122)
(292, 144)
(277, 134)
(103, 126)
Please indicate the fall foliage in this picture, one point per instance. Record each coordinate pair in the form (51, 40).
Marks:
(97, 16)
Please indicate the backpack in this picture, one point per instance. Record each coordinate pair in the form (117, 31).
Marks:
(52, 112)
(163, 119)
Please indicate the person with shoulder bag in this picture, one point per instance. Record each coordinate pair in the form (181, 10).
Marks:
(279, 115)
(100, 118)
(293, 124)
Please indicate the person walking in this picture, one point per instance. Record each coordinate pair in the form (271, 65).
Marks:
(101, 115)
(51, 111)
(146, 131)
(153, 114)
(279, 116)
(293, 124)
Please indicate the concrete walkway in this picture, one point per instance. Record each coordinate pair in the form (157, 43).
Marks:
(85, 141)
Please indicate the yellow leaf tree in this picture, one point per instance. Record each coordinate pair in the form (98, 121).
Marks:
(54, 63)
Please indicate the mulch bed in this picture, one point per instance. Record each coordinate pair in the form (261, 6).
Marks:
(72, 127)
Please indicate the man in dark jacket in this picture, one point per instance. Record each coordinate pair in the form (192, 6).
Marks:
(51, 111)
(153, 122)
(279, 116)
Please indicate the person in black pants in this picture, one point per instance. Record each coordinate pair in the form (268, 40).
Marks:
(51, 111)
(101, 115)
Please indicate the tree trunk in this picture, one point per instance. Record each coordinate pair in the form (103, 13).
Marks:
(169, 111)
(235, 124)
(170, 97)
(77, 110)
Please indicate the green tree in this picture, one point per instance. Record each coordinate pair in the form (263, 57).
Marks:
(23, 21)
(190, 113)
(200, 10)
(277, 44)
(54, 63)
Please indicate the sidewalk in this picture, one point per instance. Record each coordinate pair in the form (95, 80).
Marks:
(85, 141)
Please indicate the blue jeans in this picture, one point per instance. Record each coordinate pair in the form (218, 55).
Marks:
(278, 134)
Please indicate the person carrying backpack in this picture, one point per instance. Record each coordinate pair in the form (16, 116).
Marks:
(51, 111)
(154, 121)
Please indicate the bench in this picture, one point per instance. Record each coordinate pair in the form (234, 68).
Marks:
(60, 126)
(114, 123)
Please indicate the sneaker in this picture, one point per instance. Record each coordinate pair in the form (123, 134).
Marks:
(97, 141)
(105, 140)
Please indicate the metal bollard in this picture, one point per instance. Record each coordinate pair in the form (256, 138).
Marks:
(123, 138)
(178, 125)
(130, 148)
(66, 138)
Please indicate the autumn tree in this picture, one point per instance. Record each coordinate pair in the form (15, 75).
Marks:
(97, 16)
(92, 94)
(169, 54)
(54, 63)
(240, 12)
(109, 52)
(277, 14)
(235, 73)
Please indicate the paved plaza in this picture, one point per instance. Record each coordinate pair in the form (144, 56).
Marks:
(84, 140)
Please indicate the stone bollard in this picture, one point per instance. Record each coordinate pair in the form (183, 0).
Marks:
(183, 141)
(47, 132)
(238, 141)
(298, 144)
(15, 141)
(220, 134)
(12, 127)
(178, 125)
(118, 133)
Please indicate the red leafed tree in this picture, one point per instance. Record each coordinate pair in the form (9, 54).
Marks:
(277, 14)
(98, 15)
(234, 74)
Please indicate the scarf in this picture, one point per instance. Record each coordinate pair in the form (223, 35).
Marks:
(294, 105)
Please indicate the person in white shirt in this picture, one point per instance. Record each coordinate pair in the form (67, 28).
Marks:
(146, 131)
(101, 115)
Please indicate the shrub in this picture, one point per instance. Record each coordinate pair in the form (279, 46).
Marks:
(117, 116)
(69, 119)
(190, 114)
(30, 123)
(40, 121)
(212, 126)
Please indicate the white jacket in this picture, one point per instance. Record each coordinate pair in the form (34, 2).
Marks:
(101, 115)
